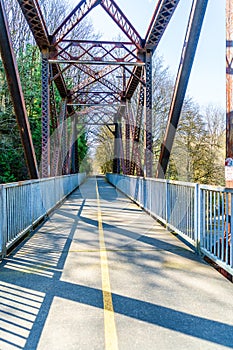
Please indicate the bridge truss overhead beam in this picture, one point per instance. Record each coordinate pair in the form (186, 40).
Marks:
(187, 57)
(162, 15)
(35, 20)
(79, 12)
(33, 15)
(122, 21)
(16, 92)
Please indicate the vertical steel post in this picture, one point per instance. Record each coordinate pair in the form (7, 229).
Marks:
(74, 145)
(45, 156)
(117, 136)
(148, 151)
(64, 145)
(187, 57)
(229, 84)
(127, 143)
(136, 154)
(14, 84)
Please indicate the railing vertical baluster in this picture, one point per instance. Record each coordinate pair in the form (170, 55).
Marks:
(199, 213)
(214, 194)
(227, 228)
(23, 204)
(196, 216)
(231, 232)
(219, 225)
(223, 223)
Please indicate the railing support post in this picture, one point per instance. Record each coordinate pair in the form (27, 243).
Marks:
(197, 217)
(167, 202)
(3, 222)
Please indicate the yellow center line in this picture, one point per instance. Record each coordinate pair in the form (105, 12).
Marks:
(111, 342)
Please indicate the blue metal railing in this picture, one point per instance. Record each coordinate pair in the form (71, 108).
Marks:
(200, 214)
(23, 204)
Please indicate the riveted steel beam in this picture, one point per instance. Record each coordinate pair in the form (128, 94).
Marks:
(122, 21)
(148, 150)
(133, 82)
(35, 20)
(45, 155)
(33, 15)
(14, 84)
(136, 154)
(187, 57)
(79, 12)
(162, 15)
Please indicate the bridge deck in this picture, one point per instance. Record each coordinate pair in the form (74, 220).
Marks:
(101, 273)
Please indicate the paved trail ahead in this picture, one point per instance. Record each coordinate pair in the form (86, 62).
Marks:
(102, 274)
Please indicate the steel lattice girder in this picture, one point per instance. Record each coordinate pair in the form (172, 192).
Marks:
(94, 76)
(162, 15)
(96, 97)
(33, 15)
(122, 21)
(35, 20)
(99, 50)
(45, 156)
(59, 46)
(79, 12)
(187, 57)
(136, 157)
(16, 92)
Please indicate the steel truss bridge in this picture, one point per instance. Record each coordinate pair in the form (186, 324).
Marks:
(99, 272)
(84, 73)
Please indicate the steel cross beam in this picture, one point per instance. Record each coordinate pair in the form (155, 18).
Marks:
(122, 21)
(96, 97)
(16, 92)
(94, 76)
(100, 50)
(162, 15)
(187, 57)
(79, 12)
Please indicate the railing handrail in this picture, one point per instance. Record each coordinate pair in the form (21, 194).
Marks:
(201, 214)
(23, 204)
(28, 182)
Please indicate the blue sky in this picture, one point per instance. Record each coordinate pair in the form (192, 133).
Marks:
(207, 81)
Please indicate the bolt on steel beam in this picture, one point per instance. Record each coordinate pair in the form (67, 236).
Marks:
(14, 84)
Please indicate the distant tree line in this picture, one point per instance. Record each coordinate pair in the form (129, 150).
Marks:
(199, 149)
